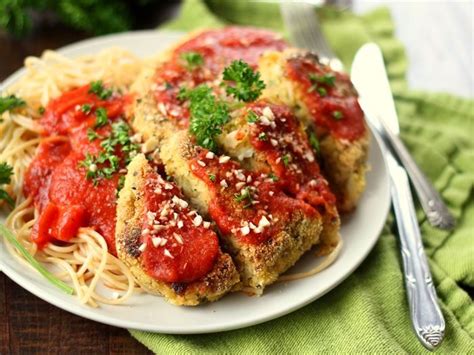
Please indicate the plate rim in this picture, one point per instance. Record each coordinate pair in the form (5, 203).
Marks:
(91, 313)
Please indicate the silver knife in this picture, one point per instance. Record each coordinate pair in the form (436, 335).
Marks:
(426, 316)
(371, 80)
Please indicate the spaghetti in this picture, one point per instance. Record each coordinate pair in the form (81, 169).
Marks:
(85, 262)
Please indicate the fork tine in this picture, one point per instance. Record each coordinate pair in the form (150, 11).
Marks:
(304, 27)
(302, 22)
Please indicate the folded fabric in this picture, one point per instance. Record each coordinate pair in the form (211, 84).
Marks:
(369, 311)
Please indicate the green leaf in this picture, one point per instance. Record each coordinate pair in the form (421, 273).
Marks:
(40, 268)
(101, 118)
(97, 88)
(193, 60)
(208, 115)
(243, 82)
(10, 102)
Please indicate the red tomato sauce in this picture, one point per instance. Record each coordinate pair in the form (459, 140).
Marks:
(218, 49)
(221, 46)
(337, 111)
(254, 219)
(278, 135)
(65, 198)
(179, 245)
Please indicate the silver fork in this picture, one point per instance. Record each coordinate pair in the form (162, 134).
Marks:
(305, 31)
(427, 319)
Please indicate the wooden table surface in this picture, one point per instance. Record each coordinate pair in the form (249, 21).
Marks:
(30, 325)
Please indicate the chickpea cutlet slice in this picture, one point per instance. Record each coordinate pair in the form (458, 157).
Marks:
(265, 230)
(169, 248)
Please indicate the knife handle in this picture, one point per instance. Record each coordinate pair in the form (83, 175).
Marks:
(426, 315)
(435, 209)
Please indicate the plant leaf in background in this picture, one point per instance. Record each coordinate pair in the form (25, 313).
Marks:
(93, 16)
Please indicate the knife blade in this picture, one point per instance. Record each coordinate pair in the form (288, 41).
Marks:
(427, 319)
(370, 79)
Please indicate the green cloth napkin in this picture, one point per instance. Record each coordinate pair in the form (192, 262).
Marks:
(368, 312)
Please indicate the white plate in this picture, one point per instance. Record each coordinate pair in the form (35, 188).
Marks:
(360, 231)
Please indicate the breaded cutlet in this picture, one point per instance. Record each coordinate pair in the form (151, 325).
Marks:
(268, 138)
(325, 101)
(264, 230)
(153, 258)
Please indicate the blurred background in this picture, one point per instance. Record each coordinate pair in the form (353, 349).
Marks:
(438, 35)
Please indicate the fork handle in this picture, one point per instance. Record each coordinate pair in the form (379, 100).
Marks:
(426, 315)
(435, 209)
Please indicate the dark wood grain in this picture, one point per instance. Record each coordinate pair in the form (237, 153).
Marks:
(29, 325)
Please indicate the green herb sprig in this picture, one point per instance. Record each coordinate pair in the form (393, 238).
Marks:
(245, 197)
(192, 60)
(10, 102)
(208, 115)
(97, 88)
(243, 82)
(6, 172)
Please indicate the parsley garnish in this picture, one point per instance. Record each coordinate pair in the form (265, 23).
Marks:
(98, 89)
(41, 110)
(244, 196)
(212, 177)
(101, 118)
(252, 117)
(263, 136)
(107, 162)
(193, 60)
(208, 115)
(273, 177)
(168, 86)
(286, 159)
(313, 140)
(322, 91)
(337, 115)
(120, 185)
(11, 102)
(93, 135)
(318, 80)
(86, 108)
(246, 84)
(6, 171)
(326, 79)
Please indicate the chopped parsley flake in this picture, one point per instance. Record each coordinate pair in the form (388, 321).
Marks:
(6, 171)
(96, 87)
(208, 115)
(318, 80)
(193, 60)
(10, 102)
(252, 117)
(245, 197)
(212, 177)
(313, 140)
(273, 177)
(322, 91)
(337, 115)
(286, 159)
(101, 117)
(244, 83)
(41, 110)
(86, 108)
(120, 185)
(93, 135)
(326, 79)
(263, 136)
